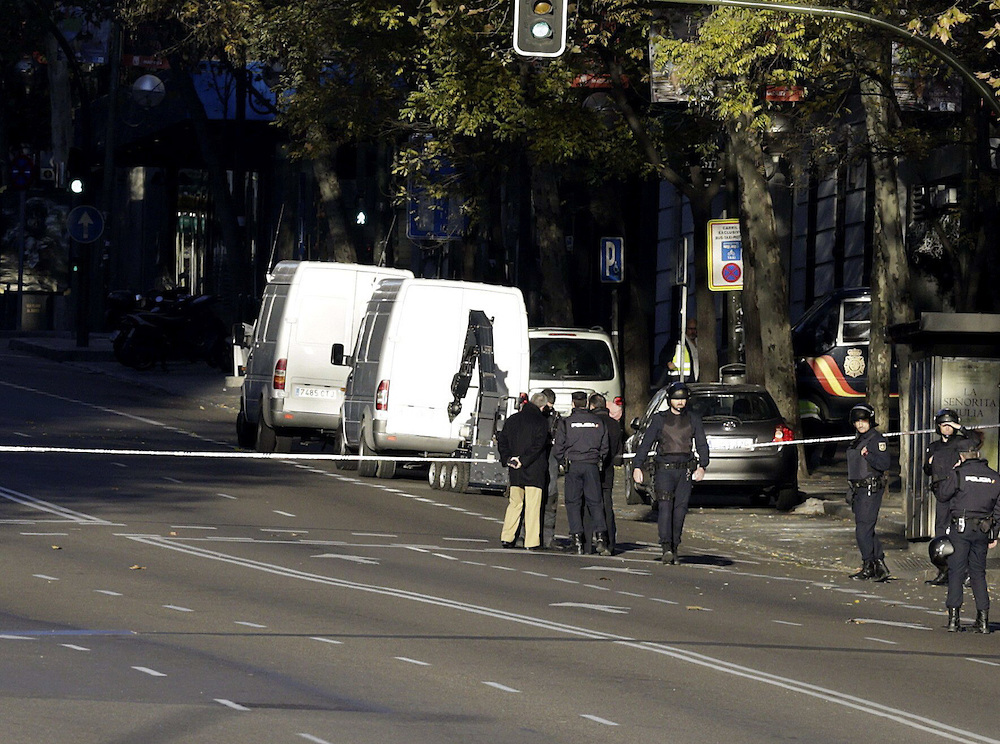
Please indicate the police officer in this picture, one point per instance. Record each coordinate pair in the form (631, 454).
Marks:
(672, 430)
(868, 460)
(939, 460)
(599, 405)
(972, 493)
(580, 447)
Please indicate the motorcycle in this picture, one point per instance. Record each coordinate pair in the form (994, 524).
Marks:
(183, 327)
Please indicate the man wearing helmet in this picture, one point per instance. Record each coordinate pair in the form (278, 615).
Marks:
(940, 459)
(972, 493)
(673, 430)
(868, 460)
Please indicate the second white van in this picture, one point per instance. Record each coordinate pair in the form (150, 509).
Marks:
(570, 359)
(409, 350)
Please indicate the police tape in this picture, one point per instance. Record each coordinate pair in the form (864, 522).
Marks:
(843, 438)
(27, 449)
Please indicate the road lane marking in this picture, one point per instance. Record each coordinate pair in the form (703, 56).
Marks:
(150, 672)
(786, 622)
(283, 513)
(533, 573)
(500, 687)
(633, 571)
(881, 640)
(327, 640)
(864, 706)
(314, 739)
(890, 623)
(600, 608)
(505, 568)
(178, 608)
(74, 647)
(172, 480)
(45, 577)
(191, 527)
(45, 534)
(466, 539)
(408, 660)
(60, 511)
(445, 556)
(230, 704)
(109, 592)
(376, 534)
(352, 558)
(226, 496)
(982, 661)
(664, 601)
(249, 624)
(598, 719)
(11, 637)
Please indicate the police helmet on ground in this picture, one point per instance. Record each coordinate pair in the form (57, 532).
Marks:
(947, 416)
(863, 412)
(677, 391)
(939, 549)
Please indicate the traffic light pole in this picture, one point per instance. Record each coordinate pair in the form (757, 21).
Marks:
(985, 91)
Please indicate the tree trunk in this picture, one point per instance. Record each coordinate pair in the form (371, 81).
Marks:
(335, 243)
(557, 306)
(765, 273)
(61, 102)
(708, 341)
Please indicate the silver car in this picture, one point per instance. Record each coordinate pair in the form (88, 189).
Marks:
(736, 417)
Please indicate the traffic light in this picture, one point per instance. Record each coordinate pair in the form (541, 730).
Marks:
(540, 27)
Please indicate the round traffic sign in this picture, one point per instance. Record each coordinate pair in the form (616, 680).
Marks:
(731, 273)
(85, 224)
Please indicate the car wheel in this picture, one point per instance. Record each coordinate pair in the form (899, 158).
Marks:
(385, 469)
(245, 432)
(366, 468)
(458, 481)
(444, 476)
(787, 498)
(340, 448)
(432, 475)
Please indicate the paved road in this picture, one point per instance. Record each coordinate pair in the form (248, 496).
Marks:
(162, 599)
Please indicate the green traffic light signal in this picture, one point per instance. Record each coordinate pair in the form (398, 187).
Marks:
(540, 27)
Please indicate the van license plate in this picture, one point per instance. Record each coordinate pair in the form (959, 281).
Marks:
(314, 392)
(729, 443)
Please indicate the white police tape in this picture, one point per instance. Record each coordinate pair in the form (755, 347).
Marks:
(844, 438)
(227, 455)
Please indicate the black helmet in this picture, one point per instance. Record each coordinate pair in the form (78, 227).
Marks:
(947, 416)
(678, 390)
(863, 411)
(939, 549)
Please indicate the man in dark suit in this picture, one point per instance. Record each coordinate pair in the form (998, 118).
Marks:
(524, 446)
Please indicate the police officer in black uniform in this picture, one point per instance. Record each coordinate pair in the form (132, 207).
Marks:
(972, 493)
(673, 430)
(599, 405)
(580, 447)
(939, 460)
(868, 460)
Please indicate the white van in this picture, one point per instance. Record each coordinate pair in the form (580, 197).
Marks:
(296, 368)
(408, 352)
(571, 359)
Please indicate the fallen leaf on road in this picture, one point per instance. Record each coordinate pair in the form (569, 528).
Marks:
(56, 547)
(137, 567)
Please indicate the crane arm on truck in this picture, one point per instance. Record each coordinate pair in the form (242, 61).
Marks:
(492, 392)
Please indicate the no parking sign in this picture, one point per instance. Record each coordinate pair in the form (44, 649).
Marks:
(725, 256)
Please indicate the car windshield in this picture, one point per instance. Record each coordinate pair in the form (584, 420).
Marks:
(746, 406)
(570, 358)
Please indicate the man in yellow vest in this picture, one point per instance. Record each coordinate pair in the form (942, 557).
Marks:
(683, 365)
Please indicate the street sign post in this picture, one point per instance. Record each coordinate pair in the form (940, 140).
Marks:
(613, 260)
(725, 256)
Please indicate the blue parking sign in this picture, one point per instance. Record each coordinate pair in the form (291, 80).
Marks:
(612, 259)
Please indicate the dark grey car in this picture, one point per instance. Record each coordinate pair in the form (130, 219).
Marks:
(736, 417)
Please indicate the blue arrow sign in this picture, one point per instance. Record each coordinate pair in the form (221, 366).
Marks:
(85, 224)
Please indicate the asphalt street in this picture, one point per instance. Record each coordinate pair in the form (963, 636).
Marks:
(161, 597)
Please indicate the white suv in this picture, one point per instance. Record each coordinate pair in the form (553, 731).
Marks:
(571, 359)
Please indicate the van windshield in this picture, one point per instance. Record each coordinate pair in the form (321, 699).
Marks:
(574, 358)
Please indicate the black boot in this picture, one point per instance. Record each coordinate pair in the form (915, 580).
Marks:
(941, 579)
(867, 571)
(600, 541)
(669, 554)
(982, 624)
(954, 626)
(881, 571)
(576, 544)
